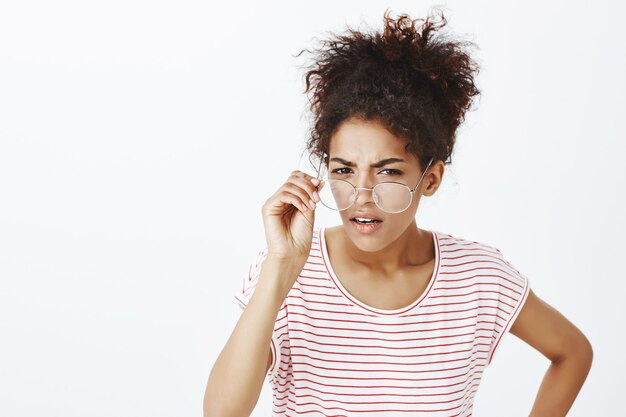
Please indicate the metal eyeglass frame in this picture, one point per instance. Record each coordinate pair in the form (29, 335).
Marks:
(356, 189)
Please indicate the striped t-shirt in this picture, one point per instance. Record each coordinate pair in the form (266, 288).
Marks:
(333, 355)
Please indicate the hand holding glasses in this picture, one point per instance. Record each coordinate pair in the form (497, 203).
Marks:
(289, 216)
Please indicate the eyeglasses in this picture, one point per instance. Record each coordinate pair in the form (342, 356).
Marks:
(391, 197)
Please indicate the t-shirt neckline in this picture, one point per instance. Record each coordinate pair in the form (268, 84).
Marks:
(355, 301)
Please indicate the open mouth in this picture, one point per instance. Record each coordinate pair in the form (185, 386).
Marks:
(366, 226)
(362, 220)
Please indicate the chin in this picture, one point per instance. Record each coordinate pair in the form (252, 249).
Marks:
(367, 240)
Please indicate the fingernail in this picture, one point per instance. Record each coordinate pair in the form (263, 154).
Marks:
(316, 196)
(315, 181)
(312, 204)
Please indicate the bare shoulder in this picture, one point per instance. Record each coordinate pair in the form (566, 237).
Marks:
(547, 330)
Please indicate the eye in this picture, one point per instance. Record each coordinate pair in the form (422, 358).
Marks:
(391, 171)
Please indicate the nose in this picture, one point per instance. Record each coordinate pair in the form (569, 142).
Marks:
(365, 192)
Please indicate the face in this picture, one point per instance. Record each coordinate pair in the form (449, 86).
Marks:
(364, 143)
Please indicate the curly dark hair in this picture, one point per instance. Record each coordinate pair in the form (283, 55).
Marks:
(418, 85)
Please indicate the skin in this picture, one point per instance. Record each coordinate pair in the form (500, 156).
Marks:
(389, 258)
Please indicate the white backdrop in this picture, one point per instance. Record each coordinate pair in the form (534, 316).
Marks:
(139, 140)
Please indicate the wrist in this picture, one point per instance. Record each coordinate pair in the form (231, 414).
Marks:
(281, 273)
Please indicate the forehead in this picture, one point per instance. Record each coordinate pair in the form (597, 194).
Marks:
(365, 142)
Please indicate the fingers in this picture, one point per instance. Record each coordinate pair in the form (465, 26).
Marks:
(287, 197)
(302, 195)
(300, 191)
(303, 185)
(308, 182)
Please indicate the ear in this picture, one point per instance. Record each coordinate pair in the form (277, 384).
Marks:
(433, 178)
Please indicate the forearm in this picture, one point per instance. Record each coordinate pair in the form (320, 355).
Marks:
(561, 384)
(237, 377)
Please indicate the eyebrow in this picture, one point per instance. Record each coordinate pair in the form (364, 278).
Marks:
(378, 164)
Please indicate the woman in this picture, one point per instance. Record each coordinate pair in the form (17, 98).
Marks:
(377, 316)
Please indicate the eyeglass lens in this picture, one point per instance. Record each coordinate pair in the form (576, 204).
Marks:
(390, 197)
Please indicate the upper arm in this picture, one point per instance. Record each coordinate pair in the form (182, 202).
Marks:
(269, 362)
(548, 331)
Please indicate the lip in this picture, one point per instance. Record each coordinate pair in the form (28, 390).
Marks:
(365, 215)
(366, 229)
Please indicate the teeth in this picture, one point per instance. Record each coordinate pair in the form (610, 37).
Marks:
(362, 219)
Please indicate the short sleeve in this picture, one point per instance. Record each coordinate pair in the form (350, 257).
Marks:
(280, 335)
(512, 292)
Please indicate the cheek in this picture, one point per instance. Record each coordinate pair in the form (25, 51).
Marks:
(415, 201)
